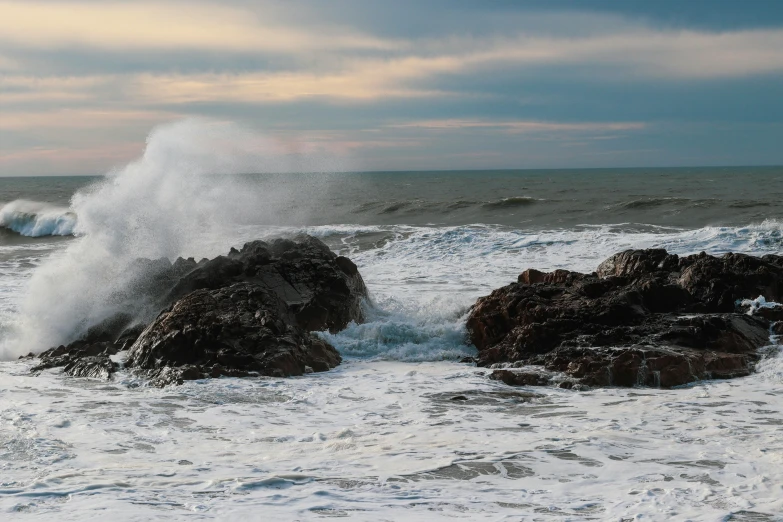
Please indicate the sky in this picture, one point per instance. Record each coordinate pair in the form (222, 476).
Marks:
(402, 85)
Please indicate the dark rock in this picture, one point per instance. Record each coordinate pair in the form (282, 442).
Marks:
(250, 312)
(519, 378)
(97, 367)
(240, 327)
(169, 375)
(645, 317)
(322, 291)
(67, 356)
(770, 313)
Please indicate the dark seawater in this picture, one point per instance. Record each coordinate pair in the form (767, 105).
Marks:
(56, 190)
(532, 199)
(558, 198)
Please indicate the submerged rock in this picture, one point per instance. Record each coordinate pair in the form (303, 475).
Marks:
(250, 312)
(645, 317)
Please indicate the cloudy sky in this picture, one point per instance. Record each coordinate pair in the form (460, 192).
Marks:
(402, 85)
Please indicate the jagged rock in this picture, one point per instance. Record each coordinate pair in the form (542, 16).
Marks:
(323, 291)
(68, 356)
(519, 378)
(97, 367)
(645, 317)
(251, 311)
(239, 327)
(174, 375)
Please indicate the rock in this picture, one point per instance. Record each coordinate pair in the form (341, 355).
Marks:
(68, 356)
(169, 375)
(321, 290)
(89, 357)
(240, 327)
(642, 366)
(645, 317)
(771, 313)
(250, 312)
(97, 367)
(519, 378)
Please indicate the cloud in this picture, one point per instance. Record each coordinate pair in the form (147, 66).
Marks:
(325, 48)
(83, 160)
(95, 71)
(153, 25)
(521, 126)
(354, 84)
(82, 119)
(15, 88)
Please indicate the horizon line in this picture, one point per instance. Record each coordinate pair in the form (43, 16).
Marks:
(433, 171)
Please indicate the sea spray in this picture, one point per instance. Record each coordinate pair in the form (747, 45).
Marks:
(183, 197)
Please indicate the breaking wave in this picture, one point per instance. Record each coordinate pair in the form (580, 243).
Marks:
(182, 197)
(34, 219)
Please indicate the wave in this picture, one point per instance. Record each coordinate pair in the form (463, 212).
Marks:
(749, 204)
(441, 207)
(644, 203)
(181, 198)
(515, 201)
(35, 219)
(397, 206)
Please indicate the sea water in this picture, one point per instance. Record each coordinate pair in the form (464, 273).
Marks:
(401, 429)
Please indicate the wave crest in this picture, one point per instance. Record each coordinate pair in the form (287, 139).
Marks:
(515, 201)
(34, 219)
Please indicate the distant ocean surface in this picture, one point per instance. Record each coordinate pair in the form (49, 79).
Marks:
(378, 438)
(531, 199)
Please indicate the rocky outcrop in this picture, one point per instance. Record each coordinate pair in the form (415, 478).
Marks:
(322, 291)
(645, 317)
(230, 331)
(250, 312)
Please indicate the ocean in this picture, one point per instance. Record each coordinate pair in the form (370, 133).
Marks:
(378, 438)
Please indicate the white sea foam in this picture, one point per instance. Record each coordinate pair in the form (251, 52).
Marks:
(385, 440)
(758, 303)
(381, 439)
(34, 219)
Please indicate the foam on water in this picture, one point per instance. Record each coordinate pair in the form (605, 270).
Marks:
(383, 439)
(389, 440)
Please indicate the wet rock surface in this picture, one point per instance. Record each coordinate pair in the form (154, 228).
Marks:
(248, 313)
(242, 327)
(645, 317)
